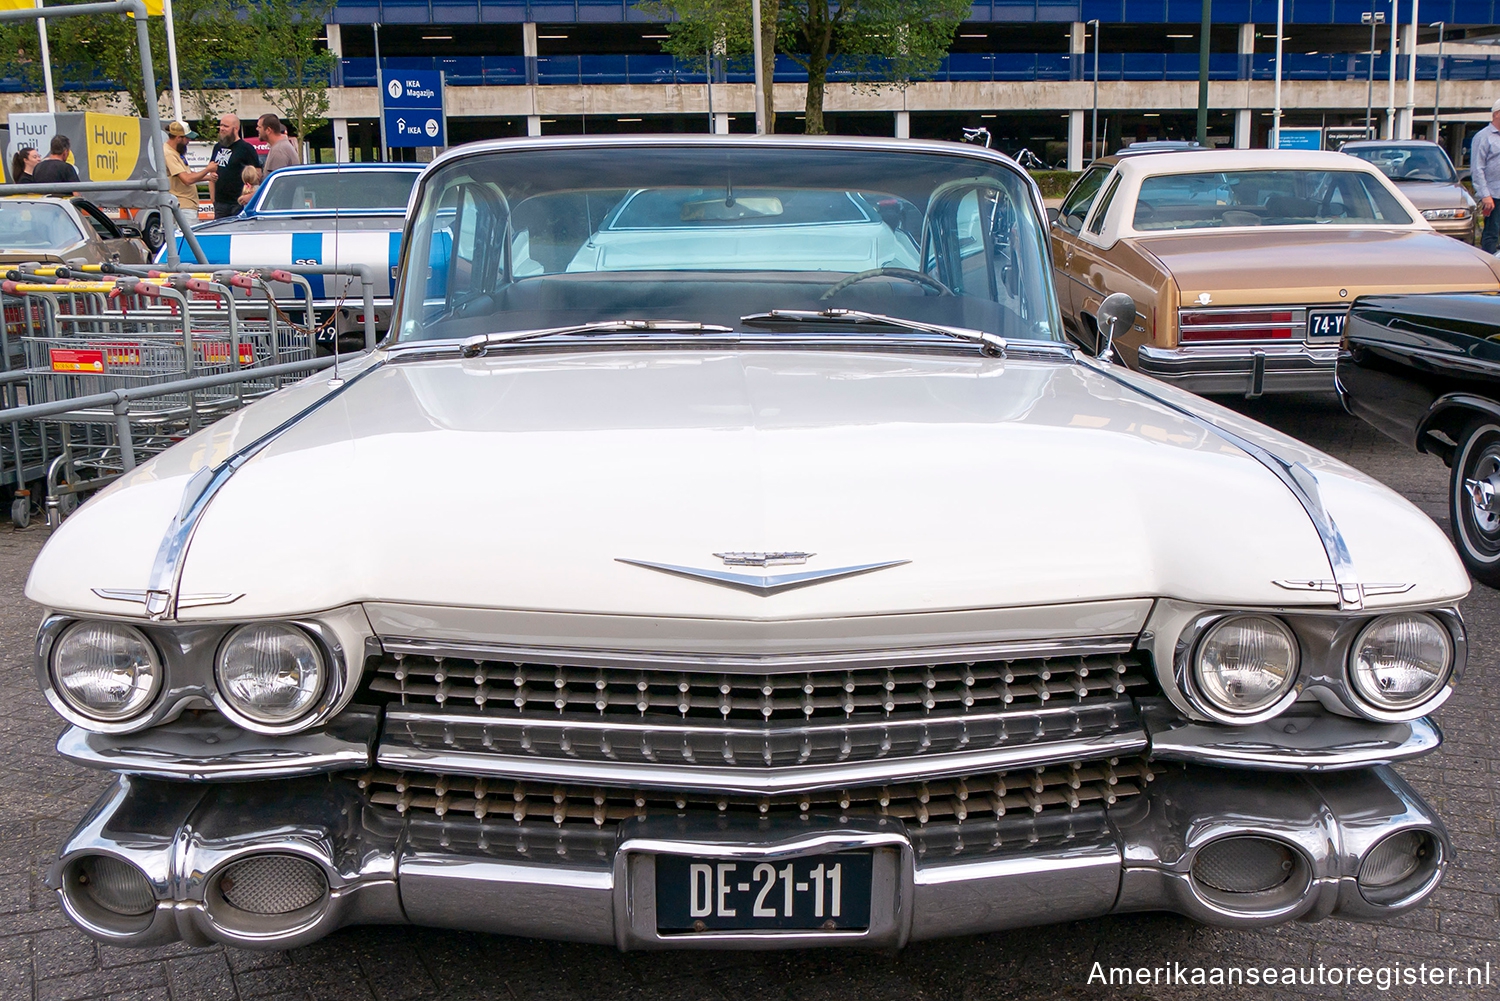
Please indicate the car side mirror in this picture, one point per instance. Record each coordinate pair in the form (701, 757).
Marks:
(1116, 315)
(1052, 215)
(128, 231)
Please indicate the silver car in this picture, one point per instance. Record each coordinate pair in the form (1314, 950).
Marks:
(1425, 175)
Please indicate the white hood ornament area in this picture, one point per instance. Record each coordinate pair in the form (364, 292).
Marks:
(764, 585)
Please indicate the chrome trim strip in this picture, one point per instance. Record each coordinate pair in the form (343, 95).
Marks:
(1299, 740)
(162, 600)
(140, 596)
(764, 585)
(757, 663)
(759, 781)
(217, 750)
(1294, 475)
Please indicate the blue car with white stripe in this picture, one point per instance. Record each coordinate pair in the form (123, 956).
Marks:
(321, 214)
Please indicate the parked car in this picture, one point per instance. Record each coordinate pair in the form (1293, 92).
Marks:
(320, 214)
(1242, 263)
(770, 604)
(45, 229)
(1425, 370)
(1425, 175)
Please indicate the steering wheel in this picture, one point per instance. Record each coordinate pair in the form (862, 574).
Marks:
(906, 274)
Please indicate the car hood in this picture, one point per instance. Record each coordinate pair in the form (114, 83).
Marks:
(521, 481)
(1310, 266)
(1435, 194)
(307, 222)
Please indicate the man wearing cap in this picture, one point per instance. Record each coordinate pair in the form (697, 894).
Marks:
(1484, 158)
(184, 181)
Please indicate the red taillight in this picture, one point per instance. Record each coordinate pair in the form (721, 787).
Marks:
(1235, 325)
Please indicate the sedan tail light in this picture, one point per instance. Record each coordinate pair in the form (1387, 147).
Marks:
(1236, 325)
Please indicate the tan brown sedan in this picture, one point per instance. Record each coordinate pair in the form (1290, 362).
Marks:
(57, 230)
(1243, 263)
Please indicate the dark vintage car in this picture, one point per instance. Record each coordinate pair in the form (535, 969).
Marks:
(1425, 369)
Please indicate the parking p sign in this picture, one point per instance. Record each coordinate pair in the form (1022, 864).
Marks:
(413, 108)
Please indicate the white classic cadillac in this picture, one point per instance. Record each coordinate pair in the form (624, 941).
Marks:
(789, 581)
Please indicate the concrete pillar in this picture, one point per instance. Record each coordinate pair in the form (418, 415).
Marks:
(335, 40)
(721, 123)
(1243, 126)
(1078, 47)
(341, 139)
(1408, 49)
(528, 49)
(1075, 140)
(903, 125)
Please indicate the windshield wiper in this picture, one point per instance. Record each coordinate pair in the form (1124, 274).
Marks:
(473, 347)
(991, 344)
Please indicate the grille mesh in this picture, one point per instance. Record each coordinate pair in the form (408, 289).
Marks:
(272, 884)
(935, 689)
(1244, 865)
(987, 796)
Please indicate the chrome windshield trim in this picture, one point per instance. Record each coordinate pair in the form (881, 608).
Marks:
(760, 663)
(166, 574)
(1297, 478)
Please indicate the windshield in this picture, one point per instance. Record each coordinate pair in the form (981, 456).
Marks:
(1407, 163)
(300, 191)
(1215, 199)
(533, 239)
(36, 226)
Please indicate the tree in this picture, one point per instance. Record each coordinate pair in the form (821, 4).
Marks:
(292, 64)
(97, 55)
(879, 42)
(698, 27)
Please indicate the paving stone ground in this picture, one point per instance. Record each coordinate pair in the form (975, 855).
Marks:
(43, 959)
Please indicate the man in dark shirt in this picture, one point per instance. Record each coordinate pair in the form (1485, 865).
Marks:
(231, 154)
(56, 169)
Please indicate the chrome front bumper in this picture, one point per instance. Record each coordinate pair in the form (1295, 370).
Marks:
(1243, 369)
(595, 885)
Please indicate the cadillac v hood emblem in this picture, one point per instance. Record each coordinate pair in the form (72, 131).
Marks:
(764, 584)
(764, 559)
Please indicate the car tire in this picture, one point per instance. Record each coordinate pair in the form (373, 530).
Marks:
(152, 232)
(1474, 500)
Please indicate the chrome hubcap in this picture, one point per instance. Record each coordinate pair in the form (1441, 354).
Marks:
(1484, 494)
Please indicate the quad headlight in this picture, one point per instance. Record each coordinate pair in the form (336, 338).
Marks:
(1400, 661)
(1245, 664)
(105, 671)
(270, 673)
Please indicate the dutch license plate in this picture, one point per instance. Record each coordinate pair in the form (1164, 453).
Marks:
(1326, 323)
(818, 892)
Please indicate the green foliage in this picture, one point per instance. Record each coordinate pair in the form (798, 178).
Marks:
(292, 64)
(100, 51)
(1054, 183)
(884, 42)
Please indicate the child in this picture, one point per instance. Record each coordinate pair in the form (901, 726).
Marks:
(251, 176)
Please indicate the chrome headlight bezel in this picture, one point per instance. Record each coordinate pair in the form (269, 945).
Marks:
(80, 715)
(1326, 636)
(1369, 704)
(330, 688)
(1186, 662)
(188, 650)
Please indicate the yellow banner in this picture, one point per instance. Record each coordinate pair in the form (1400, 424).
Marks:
(114, 146)
(153, 7)
(16, 4)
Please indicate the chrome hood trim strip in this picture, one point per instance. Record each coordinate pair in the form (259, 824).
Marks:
(1294, 475)
(161, 596)
(756, 663)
